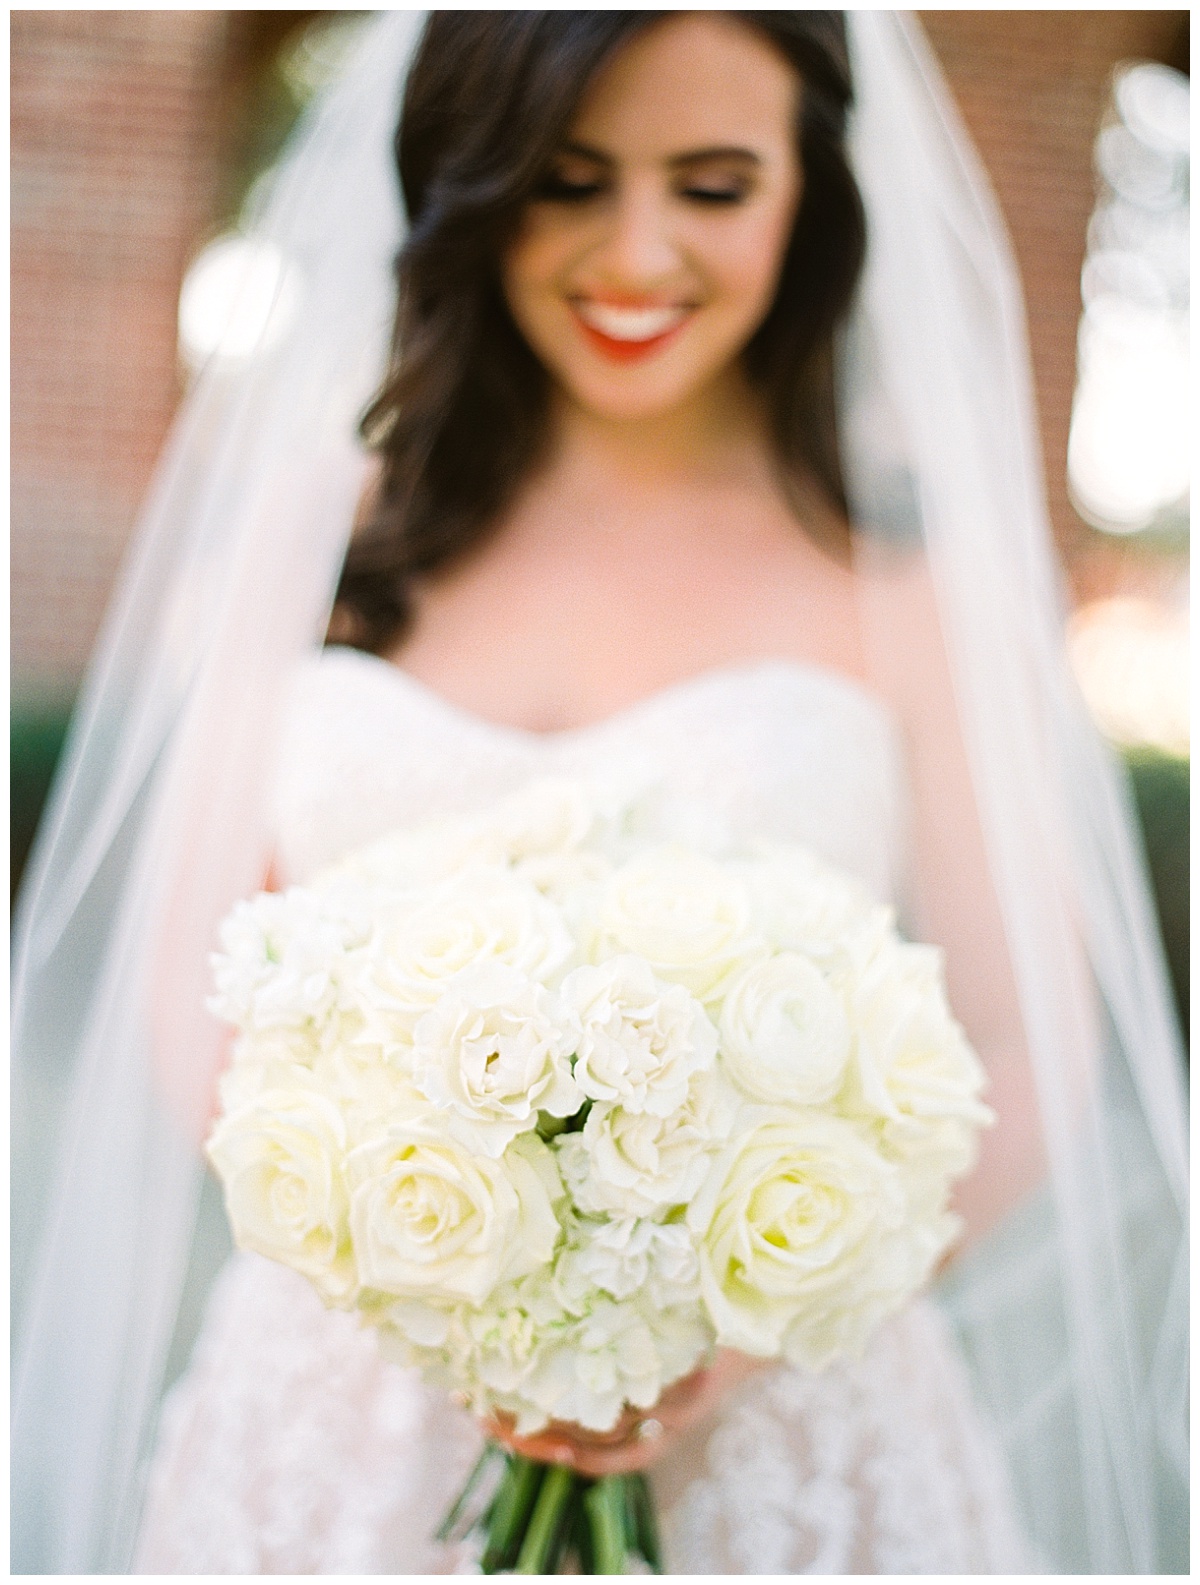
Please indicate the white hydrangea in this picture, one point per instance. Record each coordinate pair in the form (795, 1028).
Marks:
(282, 958)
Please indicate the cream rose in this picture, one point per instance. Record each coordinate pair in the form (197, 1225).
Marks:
(800, 903)
(480, 916)
(280, 1158)
(432, 1219)
(685, 914)
(785, 1035)
(641, 1039)
(630, 1164)
(793, 1221)
(914, 1066)
(494, 1052)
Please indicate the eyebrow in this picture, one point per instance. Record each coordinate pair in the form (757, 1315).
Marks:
(720, 151)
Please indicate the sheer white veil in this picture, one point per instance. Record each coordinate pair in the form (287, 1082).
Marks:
(1072, 1314)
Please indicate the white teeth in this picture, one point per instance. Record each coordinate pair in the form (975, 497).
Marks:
(629, 324)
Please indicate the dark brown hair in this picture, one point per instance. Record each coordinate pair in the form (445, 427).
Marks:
(462, 414)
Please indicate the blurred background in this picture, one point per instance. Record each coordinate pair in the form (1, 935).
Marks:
(138, 136)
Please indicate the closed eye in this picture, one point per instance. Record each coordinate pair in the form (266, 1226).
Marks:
(702, 194)
(561, 190)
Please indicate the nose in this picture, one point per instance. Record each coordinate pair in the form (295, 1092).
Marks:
(639, 249)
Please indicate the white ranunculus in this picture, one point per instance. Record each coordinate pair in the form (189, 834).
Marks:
(281, 1159)
(687, 915)
(478, 917)
(641, 1038)
(794, 1222)
(434, 1220)
(785, 1035)
(630, 1256)
(631, 1164)
(913, 1064)
(495, 1051)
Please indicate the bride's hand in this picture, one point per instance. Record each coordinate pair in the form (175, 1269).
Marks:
(640, 1436)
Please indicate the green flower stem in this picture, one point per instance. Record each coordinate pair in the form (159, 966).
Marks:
(510, 1514)
(605, 1504)
(647, 1541)
(449, 1529)
(546, 1523)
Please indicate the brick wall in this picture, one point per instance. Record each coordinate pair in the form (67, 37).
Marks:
(116, 148)
(121, 137)
(1032, 86)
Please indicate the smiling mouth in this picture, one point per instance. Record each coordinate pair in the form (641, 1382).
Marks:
(625, 333)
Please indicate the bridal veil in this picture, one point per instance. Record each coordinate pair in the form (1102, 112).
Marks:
(1072, 1313)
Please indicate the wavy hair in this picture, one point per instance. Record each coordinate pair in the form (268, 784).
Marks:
(463, 411)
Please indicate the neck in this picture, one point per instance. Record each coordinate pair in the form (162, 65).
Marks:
(719, 434)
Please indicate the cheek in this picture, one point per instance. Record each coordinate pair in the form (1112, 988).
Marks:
(745, 266)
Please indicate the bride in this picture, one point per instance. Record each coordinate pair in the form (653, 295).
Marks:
(609, 529)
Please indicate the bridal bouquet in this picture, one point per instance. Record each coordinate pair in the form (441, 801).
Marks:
(560, 1104)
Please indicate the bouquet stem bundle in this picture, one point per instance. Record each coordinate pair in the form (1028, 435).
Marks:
(534, 1516)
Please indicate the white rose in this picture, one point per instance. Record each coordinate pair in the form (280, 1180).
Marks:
(686, 914)
(404, 861)
(480, 916)
(801, 903)
(433, 1220)
(495, 1051)
(630, 1164)
(281, 1160)
(914, 1067)
(784, 1032)
(630, 1256)
(641, 1039)
(796, 1225)
(549, 816)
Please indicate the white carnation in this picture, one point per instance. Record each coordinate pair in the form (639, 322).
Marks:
(435, 1221)
(785, 1035)
(631, 1164)
(630, 1256)
(494, 1051)
(641, 1039)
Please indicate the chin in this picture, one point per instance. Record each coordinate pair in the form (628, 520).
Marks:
(626, 395)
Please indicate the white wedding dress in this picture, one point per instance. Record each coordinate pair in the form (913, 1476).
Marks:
(291, 1446)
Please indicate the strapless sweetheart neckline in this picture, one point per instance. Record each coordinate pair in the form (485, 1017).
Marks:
(717, 676)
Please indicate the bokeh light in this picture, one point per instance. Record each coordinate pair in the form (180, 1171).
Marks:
(238, 298)
(1129, 455)
(1131, 658)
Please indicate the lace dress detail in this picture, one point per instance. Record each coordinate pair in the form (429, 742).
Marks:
(291, 1446)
